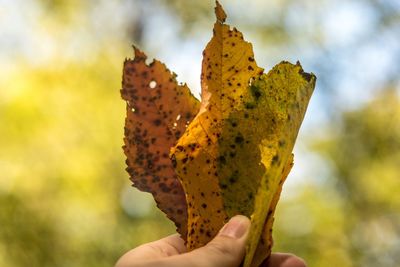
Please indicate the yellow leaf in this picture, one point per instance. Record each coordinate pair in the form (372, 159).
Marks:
(235, 154)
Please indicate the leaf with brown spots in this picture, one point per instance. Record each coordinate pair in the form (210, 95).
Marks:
(236, 153)
(158, 111)
(234, 156)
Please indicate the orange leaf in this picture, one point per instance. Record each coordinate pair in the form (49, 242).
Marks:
(157, 113)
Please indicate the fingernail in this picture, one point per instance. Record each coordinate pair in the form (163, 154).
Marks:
(236, 227)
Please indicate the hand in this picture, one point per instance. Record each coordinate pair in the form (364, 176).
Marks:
(225, 250)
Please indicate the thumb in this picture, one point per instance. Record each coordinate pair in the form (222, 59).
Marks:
(226, 249)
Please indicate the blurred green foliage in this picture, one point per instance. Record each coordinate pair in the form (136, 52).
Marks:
(353, 218)
(365, 154)
(65, 199)
(63, 178)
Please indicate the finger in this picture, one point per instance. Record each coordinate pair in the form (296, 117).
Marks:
(285, 260)
(226, 249)
(174, 242)
(165, 247)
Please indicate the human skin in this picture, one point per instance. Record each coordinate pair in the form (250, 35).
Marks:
(227, 249)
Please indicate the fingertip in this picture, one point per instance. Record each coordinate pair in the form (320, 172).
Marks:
(227, 248)
(176, 242)
(237, 227)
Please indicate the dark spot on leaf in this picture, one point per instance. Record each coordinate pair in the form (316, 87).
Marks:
(164, 188)
(275, 159)
(222, 159)
(239, 139)
(177, 134)
(173, 160)
(281, 143)
(255, 91)
(249, 105)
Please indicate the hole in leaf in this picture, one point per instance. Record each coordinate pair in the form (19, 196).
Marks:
(178, 117)
(153, 84)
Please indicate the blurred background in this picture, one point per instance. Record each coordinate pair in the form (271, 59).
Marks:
(65, 198)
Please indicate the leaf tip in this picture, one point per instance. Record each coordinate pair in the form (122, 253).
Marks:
(139, 54)
(219, 12)
(309, 77)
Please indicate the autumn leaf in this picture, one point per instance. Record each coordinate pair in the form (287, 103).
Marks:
(236, 153)
(157, 113)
